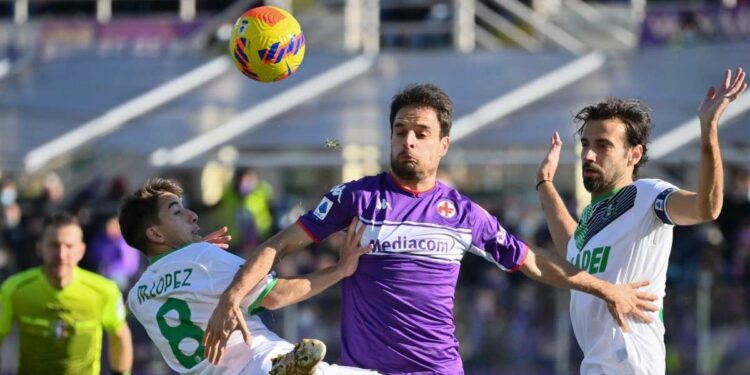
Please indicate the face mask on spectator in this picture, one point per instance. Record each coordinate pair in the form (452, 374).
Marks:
(8, 196)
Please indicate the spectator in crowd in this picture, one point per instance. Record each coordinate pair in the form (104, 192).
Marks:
(246, 209)
(113, 257)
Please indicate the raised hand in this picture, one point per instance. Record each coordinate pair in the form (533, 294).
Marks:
(625, 300)
(219, 238)
(717, 101)
(548, 166)
(351, 251)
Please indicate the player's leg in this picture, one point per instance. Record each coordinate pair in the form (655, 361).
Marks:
(264, 347)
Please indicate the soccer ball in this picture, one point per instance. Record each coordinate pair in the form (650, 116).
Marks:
(267, 44)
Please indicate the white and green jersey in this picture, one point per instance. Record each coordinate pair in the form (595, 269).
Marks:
(175, 297)
(623, 237)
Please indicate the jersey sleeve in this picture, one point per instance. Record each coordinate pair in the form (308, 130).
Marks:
(221, 267)
(663, 190)
(334, 213)
(255, 297)
(6, 309)
(113, 316)
(495, 244)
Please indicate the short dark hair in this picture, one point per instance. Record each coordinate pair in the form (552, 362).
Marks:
(59, 220)
(634, 114)
(141, 210)
(425, 95)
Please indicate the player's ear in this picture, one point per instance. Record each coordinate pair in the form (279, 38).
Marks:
(154, 235)
(635, 154)
(80, 250)
(445, 143)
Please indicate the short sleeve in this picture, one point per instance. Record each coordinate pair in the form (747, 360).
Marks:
(113, 316)
(334, 213)
(220, 268)
(6, 309)
(663, 190)
(495, 244)
(255, 297)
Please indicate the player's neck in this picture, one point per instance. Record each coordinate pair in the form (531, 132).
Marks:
(610, 190)
(58, 281)
(416, 186)
(157, 252)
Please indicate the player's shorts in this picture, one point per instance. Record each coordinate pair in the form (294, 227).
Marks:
(266, 345)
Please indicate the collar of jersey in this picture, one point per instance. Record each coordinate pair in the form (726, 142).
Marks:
(606, 195)
(76, 277)
(155, 258)
(408, 191)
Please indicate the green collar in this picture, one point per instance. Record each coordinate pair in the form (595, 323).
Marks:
(155, 258)
(605, 195)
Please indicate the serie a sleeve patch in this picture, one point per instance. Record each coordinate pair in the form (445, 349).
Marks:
(660, 206)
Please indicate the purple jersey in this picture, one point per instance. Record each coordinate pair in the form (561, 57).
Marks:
(397, 309)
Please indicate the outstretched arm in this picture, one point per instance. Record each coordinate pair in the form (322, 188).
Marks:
(293, 290)
(561, 225)
(227, 316)
(686, 207)
(622, 300)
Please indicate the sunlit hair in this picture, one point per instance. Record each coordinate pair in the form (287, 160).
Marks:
(428, 96)
(140, 210)
(635, 115)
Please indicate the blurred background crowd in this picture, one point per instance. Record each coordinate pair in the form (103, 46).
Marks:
(504, 321)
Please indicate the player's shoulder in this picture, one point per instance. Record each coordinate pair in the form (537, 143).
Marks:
(445, 191)
(204, 253)
(18, 280)
(193, 253)
(354, 189)
(653, 186)
(465, 206)
(97, 283)
(367, 183)
(200, 258)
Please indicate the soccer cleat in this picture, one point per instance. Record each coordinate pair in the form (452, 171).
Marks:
(301, 360)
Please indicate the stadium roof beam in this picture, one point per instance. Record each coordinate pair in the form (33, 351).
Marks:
(595, 18)
(118, 116)
(527, 94)
(691, 130)
(543, 25)
(259, 114)
(509, 29)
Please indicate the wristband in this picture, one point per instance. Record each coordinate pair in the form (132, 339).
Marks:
(539, 183)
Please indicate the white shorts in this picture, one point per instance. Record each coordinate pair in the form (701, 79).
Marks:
(266, 346)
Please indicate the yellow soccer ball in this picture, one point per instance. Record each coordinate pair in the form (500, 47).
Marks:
(267, 44)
